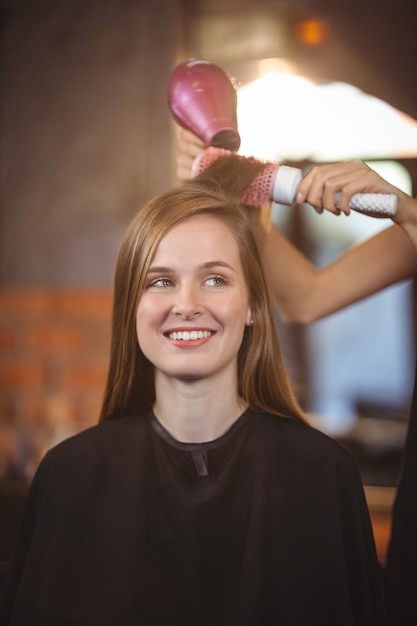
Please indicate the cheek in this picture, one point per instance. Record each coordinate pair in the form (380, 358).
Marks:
(241, 307)
(238, 313)
(149, 310)
(150, 314)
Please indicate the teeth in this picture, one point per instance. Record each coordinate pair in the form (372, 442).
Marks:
(189, 335)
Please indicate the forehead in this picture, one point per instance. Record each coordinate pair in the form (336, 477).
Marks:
(201, 236)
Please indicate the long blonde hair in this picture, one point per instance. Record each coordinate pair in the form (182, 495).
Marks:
(262, 379)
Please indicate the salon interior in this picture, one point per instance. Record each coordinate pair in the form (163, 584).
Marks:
(87, 137)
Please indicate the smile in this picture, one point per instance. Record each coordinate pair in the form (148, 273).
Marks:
(189, 335)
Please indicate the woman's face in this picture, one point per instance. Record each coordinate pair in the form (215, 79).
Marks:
(193, 311)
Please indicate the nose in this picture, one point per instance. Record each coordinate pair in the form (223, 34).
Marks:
(188, 303)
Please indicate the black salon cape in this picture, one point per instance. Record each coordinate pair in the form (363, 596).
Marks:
(266, 525)
(401, 570)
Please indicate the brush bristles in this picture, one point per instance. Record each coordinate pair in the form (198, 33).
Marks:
(259, 193)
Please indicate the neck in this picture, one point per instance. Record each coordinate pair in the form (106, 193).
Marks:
(196, 411)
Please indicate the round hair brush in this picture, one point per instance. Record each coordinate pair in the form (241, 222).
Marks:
(279, 183)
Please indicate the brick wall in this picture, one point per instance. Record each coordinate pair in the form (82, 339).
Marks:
(54, 350)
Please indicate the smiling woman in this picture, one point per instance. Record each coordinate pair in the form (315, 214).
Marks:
(191, 321)
(203, 496)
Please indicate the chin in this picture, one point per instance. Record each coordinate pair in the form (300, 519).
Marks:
(190, 376)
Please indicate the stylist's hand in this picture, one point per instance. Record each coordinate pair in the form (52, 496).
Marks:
(189, 146)
(320, 185)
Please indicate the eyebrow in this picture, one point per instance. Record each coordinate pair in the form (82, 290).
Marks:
(161, 269)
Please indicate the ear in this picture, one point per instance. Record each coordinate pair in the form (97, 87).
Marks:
(249, 319)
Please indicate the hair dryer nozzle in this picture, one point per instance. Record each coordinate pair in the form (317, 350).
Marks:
(203, 99)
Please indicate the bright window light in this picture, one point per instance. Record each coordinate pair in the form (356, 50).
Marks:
(283, 116)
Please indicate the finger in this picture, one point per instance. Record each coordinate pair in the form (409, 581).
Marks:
(327, 183)
(184, 165)
(189, 138)
(304, 187)
(190, 150)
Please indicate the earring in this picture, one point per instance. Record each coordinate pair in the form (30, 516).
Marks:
(251, 322)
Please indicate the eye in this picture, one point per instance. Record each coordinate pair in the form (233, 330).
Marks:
(162, 281)
(215, 281)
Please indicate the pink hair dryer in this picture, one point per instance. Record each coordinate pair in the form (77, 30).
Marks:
(203, 99)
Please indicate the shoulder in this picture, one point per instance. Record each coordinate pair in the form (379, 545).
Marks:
(297, 440)
(292, 430)
(109, 439)
(95, 461)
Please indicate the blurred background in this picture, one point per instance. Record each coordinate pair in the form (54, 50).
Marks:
(87, 138)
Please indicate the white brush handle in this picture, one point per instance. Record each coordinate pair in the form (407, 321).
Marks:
(287, 179)
(375, 204)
